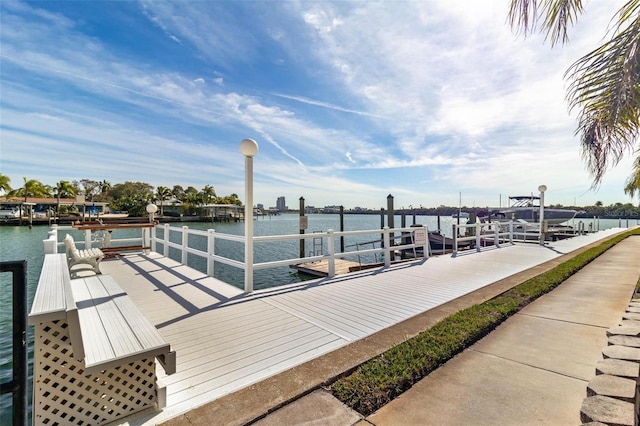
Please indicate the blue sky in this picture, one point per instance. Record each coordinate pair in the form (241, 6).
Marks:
(349, 101)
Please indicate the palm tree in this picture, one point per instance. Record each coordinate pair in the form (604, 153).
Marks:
(633, 182)
(603, 83)
(64, 189)
(178, 192)
(30, 188)
(4, 183)
(209, 194)
(162, 193)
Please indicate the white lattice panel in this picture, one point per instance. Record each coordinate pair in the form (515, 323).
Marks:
(63, 394)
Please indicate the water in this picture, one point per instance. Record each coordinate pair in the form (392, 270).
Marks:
(22, 243)
(288, 224)
(17, 243)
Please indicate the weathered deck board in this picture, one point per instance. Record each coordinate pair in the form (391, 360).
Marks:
(225, 340)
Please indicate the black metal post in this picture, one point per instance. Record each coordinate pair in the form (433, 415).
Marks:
(390, 214)
(381, 227)
(18, 386)
(342, 229)
(301, 227)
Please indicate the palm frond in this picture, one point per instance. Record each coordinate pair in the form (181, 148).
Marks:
(605, 84)
(522, 15)
(559, 16)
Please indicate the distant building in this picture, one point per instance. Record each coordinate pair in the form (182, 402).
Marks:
(260, 207)
(331, 209)
(281, 204)
(311, 209)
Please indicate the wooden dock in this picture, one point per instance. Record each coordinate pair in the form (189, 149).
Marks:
(226, 340)
(321, 267)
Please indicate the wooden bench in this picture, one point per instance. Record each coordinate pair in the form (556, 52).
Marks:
(94, 352)
(106, 329)
(91, 257)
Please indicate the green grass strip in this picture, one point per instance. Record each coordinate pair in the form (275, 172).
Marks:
(381, 379)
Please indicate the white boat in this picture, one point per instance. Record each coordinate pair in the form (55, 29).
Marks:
(527, 208)
(9, 214)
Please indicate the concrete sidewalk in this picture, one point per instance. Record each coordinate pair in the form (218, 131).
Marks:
(533, 369)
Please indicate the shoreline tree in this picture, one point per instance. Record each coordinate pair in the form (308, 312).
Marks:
(30, 188)
(64, 189)
(5, 184)
(162, 193)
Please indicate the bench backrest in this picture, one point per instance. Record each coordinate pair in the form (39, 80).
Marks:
(70, 244)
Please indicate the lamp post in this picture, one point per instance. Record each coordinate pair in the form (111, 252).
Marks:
(151, 209)
(542, 189)
(248, 148)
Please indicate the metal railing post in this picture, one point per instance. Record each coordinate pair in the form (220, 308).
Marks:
(387, 246)
(497, 235)
(478, 232)
(18, 385)
(332, 253)
(211, 250)
(185, 244)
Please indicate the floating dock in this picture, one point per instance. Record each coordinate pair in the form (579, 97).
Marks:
(321, 267)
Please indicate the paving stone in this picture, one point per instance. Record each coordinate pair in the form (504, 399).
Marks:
(631, 315)
(631, 341)
(630, 323)
(615, 387)
(622, 352)
(624, 331)
(317, 408)
(618, 367)
(593, 424)
(607, 410)
(633, 309)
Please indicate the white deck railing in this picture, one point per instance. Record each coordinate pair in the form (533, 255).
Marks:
(387, 249)
(411, 238)
(479, 234)
(90, 239)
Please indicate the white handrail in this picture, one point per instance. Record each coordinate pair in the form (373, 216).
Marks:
(211, 256)
(186, 249)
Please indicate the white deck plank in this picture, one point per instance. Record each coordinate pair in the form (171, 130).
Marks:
(225, 340)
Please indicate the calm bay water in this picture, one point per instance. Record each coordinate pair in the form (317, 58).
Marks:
(22, 243)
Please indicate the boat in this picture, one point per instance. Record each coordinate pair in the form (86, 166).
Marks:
(461, 215)
(438, 242)
(527, 208)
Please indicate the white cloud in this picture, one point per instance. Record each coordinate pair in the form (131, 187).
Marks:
(437, 93)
